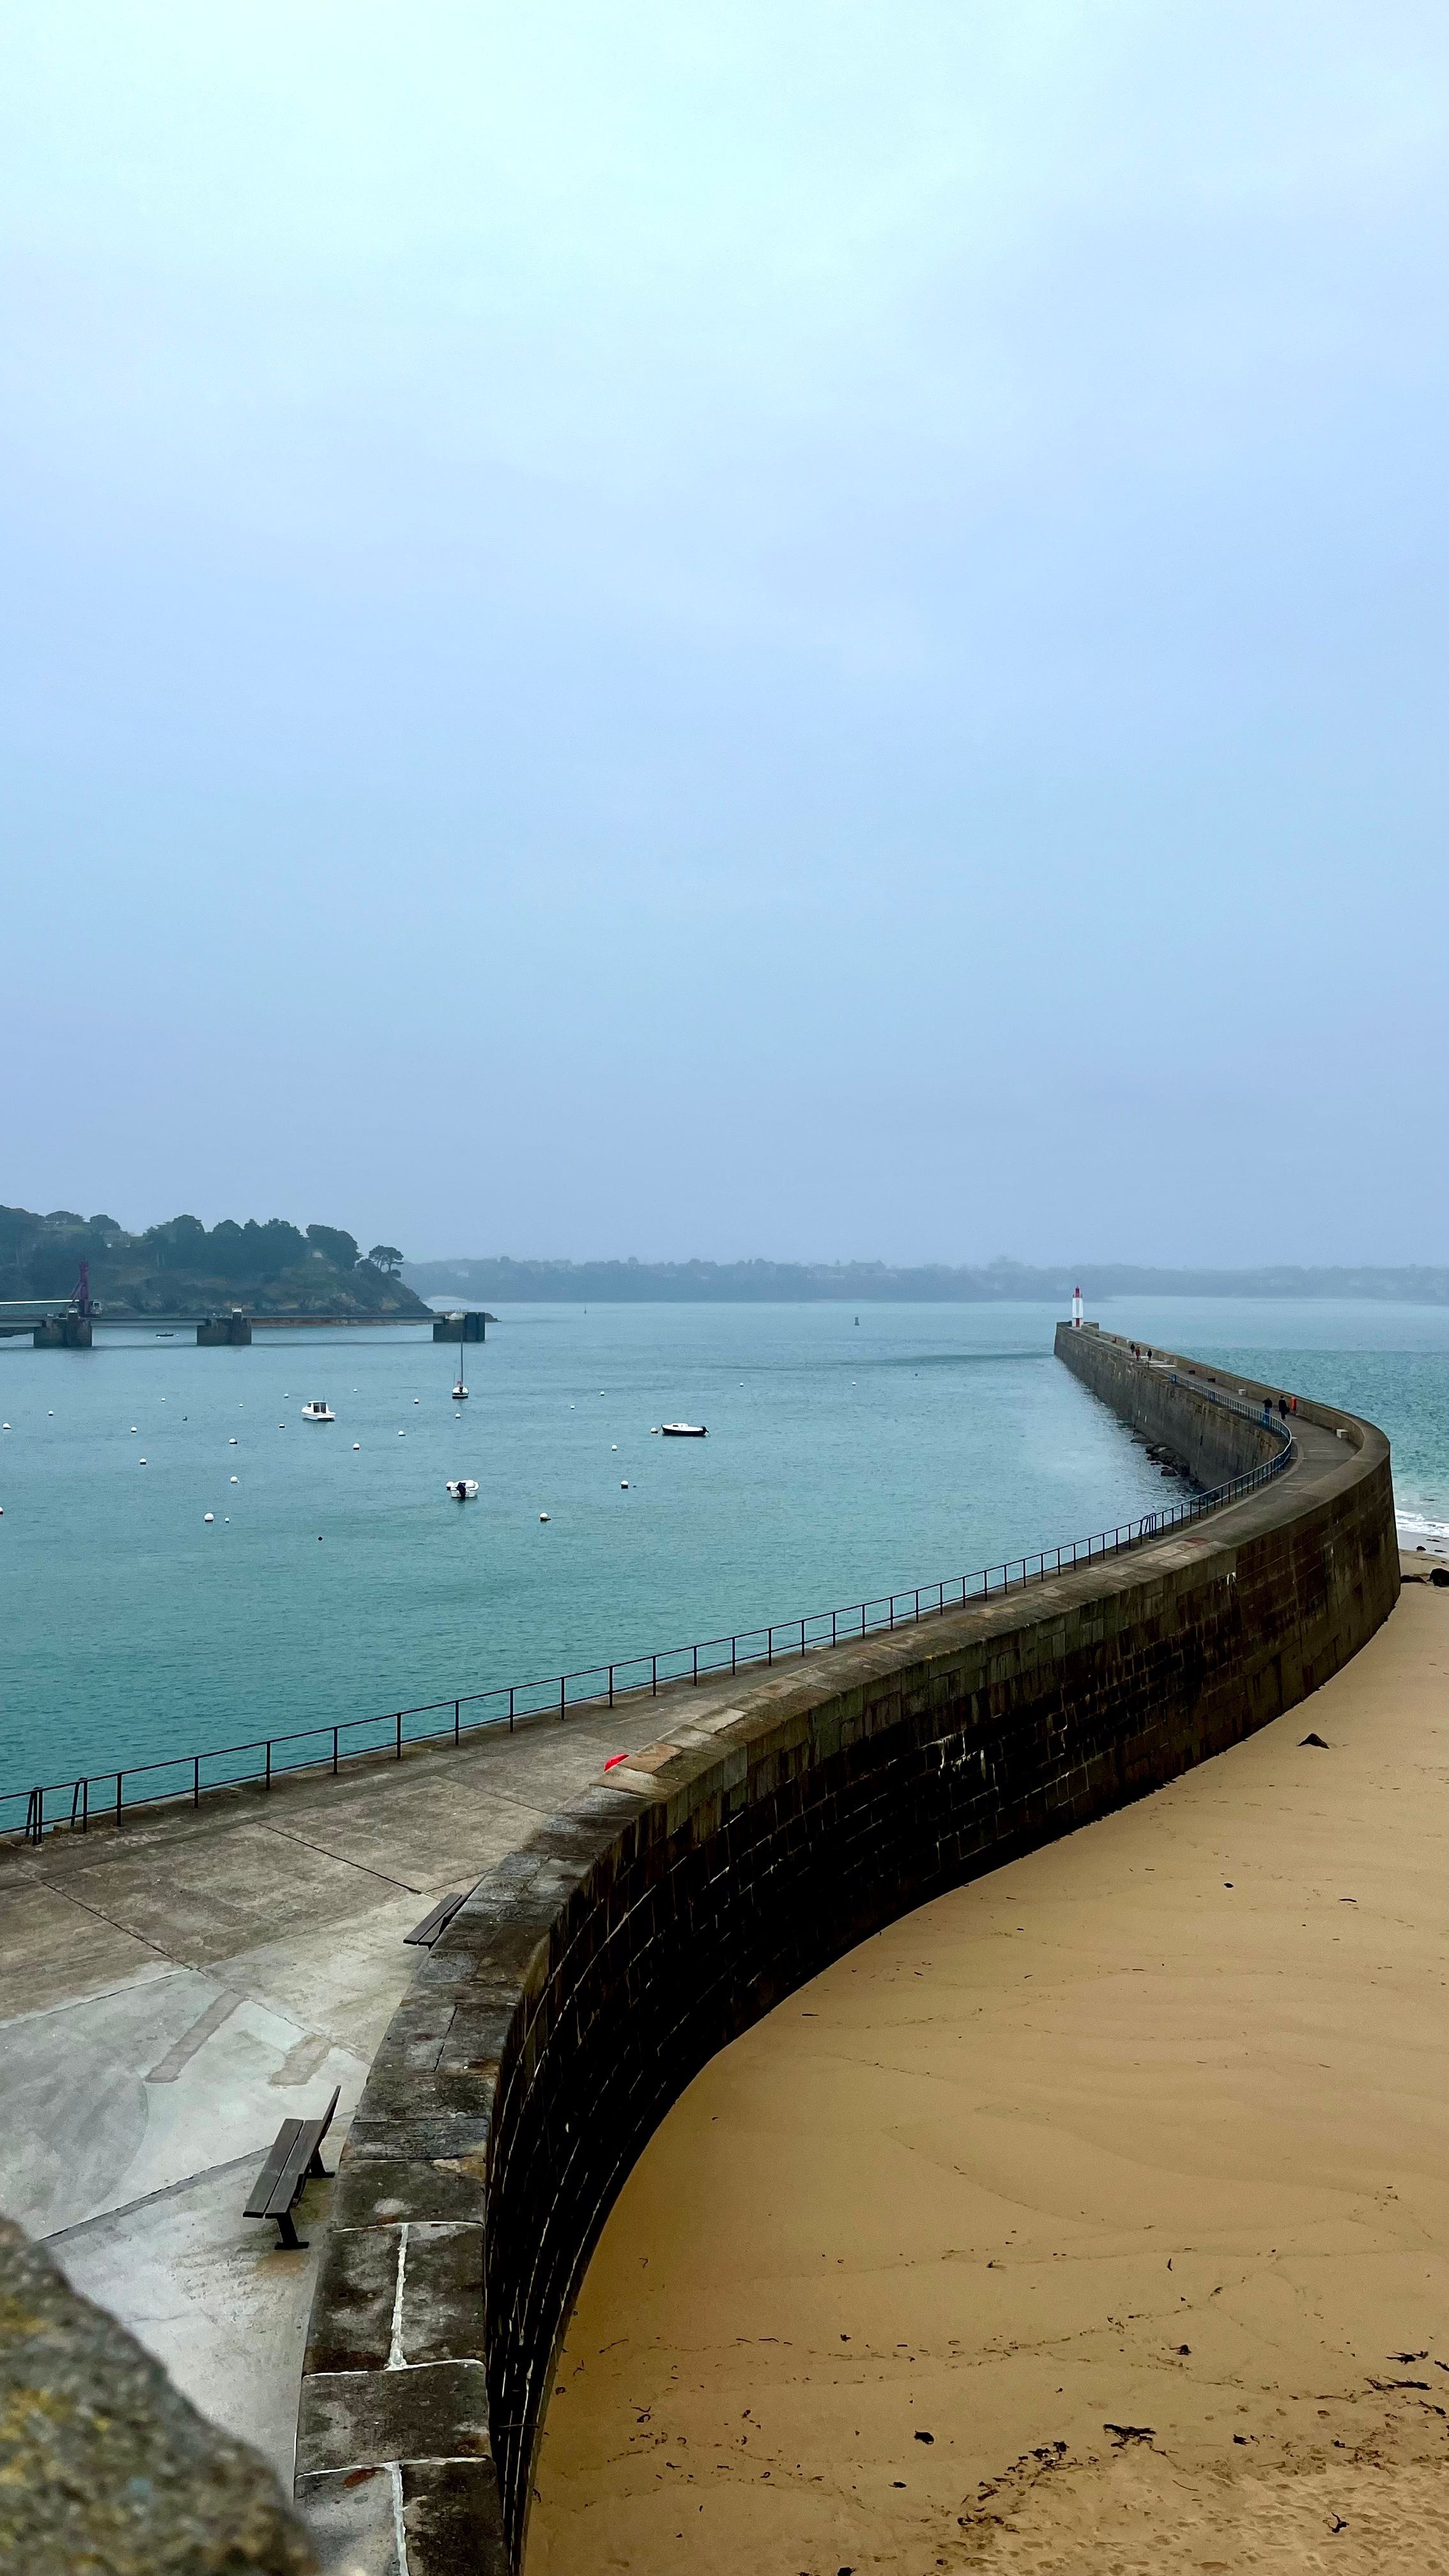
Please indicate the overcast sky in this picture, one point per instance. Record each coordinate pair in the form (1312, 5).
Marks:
(801, 629)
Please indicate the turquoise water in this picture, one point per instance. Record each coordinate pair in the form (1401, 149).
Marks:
(337, 1580)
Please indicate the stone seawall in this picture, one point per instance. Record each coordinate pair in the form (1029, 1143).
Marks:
(1169, 1407)
(589, 1977)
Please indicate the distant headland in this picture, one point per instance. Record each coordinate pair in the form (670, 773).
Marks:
(271, 1269)
(856, 1282)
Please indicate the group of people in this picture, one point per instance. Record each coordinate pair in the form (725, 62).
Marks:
(1286, 1403)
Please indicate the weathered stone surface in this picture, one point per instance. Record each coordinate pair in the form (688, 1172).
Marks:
(103, 2464)
(357, 2419)
(442, 2301)
(351, 2326)
(452, 2519)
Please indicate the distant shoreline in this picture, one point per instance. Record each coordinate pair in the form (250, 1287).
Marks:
(860, 1283)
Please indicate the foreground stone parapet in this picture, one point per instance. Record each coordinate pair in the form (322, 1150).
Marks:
(592, 1973)
(103, 2465)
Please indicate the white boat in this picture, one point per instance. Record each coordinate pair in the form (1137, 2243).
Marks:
(459, 1392)
(462, 1488)
(685, 1430)
(317, 1411)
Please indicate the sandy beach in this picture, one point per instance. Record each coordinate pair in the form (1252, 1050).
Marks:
(1091, 2217)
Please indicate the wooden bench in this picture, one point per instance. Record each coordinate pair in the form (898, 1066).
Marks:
(293, 2157)
(424, 1934)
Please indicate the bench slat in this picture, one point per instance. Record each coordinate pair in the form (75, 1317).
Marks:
(259, 2204)
(295, 2152)
(424, 1934)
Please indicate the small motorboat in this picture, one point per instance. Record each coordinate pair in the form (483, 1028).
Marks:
(459, 1392)
(685, 1430)
(464, 1489)
(317, 1411)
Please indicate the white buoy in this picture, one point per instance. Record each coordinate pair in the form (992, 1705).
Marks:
(624, 1486)
(614, 1445)
(402, 1435)
(231, 1444)
(357, 1444)
(543, 1516)
(133, 1426)
(143, 1462)
(208, 1516)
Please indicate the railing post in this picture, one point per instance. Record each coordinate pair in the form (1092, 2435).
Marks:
(85, 1804)
(769, 1645)
(562, 1679)
(334, 1752)
(457, 1719)
(269, 1763)
(802, 1636)
(196, 1780)
(33, 1826)
(611, 1686)
(733, 1642)
(511, 1687)
(398, 1755)
(119, 1777)
(696, 1666)
(654, 1676)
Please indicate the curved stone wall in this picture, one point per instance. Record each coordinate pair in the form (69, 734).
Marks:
(588, 1978)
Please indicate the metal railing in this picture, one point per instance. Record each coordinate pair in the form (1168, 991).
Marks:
(110, 1793)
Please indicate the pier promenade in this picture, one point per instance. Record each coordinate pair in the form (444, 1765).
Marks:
(171, 1990)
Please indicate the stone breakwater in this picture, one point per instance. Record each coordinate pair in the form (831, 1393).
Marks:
(591, 1975)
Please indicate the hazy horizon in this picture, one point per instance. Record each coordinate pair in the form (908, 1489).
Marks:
(680, 632)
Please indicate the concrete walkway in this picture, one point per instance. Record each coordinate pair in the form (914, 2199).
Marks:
(173, 1989)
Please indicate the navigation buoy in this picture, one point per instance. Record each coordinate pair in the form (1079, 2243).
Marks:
(624, 1485)
(143, 1462)
(208, 1516)
(357, 1444)
(543, 1516)
(231, 1443)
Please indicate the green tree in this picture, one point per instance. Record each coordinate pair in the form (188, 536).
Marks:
(386, 1256)
(335, 1246)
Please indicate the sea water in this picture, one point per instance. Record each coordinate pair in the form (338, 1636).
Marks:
(336, 1578)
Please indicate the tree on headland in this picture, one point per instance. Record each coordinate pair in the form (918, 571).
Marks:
(386, 1256)
(335, 1246)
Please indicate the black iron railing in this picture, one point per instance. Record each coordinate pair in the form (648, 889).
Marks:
(43, 1808)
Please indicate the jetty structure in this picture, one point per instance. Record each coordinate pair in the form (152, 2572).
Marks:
(638, 1885)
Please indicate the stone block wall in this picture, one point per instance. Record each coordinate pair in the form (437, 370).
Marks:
(590, 1976)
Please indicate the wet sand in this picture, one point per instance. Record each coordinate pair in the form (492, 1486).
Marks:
(1092, 2217)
